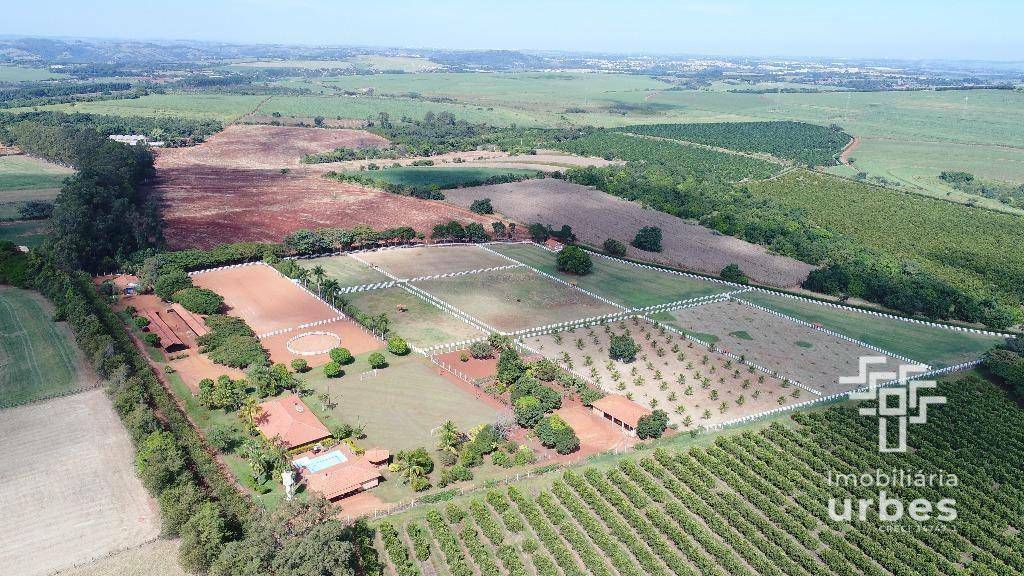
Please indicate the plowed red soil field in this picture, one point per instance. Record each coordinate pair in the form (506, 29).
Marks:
(233, 188)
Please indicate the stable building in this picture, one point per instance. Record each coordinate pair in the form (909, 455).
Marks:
(290, 420)
(621, 411)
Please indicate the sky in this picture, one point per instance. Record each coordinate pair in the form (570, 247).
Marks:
(896, 29)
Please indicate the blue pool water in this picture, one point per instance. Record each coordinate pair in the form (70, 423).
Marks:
(321, 462)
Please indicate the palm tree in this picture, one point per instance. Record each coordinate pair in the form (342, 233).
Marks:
(302, 275)
(250, 412)
(412, 466)
(449, 438)
(319, 274)
(331, 287)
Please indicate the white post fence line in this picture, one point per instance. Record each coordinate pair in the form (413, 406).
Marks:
(371, 266)
(437, 302)
(214, 269)
(451, 369)
(366, 287)
(883, 314)
(464, 273)
(573, 324)
(829, 332)
(670, 306)
(669, 271)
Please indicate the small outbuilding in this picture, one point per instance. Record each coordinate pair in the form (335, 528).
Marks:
(620, 410)
(292, 421)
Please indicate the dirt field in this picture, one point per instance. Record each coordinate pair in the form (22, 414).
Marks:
(262, 297)
(475, 368)
(801, 353)
(352, 337)
(231, 188)
(157, 558)
(427, 261)
(421, 324)
(68, 489)
(595, 433)
(515, 299)
(663, 381)
(596, 216)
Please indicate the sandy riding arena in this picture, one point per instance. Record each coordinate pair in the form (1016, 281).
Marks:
(68, 490)
(264, 298)
(246, 184)
(596, 216)
(349, 335)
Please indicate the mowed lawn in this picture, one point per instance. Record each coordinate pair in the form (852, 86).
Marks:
(421, 323)
(400, 405)
(443, 177)
(935, 346)
(346, 270)
(617, 281)
(37, 358)
(515, 299)
(19, 173)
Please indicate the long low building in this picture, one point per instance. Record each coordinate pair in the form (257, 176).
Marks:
(621, 411)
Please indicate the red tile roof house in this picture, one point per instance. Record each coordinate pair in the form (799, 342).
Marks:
(620, 410)
(292, 421)
(344, 479)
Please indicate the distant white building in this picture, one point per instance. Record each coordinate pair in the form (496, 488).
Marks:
(134, 139)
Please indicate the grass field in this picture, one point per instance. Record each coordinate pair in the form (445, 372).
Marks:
(37, 358)
(422, 324)
(221, 107)
(624, 284)
(23, 178)
(361, 107)
(443, 177)
(346, 270)
(400, 405)
(22, 74)
(935, 346)
(515, 299)
(431, 260)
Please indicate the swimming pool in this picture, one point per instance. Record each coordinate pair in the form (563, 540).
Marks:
(318, 463)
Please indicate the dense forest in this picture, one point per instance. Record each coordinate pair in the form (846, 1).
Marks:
(806, 144)
(171, 130)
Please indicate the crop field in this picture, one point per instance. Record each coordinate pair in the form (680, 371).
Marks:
(37, 357)
(221, 107)
(346, 270)
(443, 177)
(69, 490)
(421, 324)
(29, 233)
(596, 216)
(340, 106)
(622, 283)
(515, 299)
(246, 184)
(937, 347)
(798, 352)
(795, 141)
(399, 405)
(752, 503)
(428, 261)
(910, 226)
(28, 178)
(694, 385)
(23, 74)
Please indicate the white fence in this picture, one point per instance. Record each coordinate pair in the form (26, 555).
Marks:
(366, 287)
(464, 272)
(431, 299)
(453, 370)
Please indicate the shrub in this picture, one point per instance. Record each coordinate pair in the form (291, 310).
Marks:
(510, 366)
(623, 347)
(199, 300)
(457, 473)
(151, 339)
(544, 369)
(524, 455)
(589, 396)
(614, 247)
(300, 365)
(648, 239)
(222, 438)
(732, 273)
(528, 411)
(398, 346)
(481, 350)
(333, 370)
(178, 504)
(202, 539)
(239, 351)
(140, 321)
(574, 260)
(170, 282)
(502, 459)
(652, 425)
(341, 355)
(159, 461)
(554, 432)
(377, 360)
(482, 206)
(538, 232)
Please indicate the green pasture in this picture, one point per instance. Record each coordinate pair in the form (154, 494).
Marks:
(619, 282)
(443, 177)
(21, 177)
(935, 346)
(29, 233)
(37, 358)
(346, 270)
(421, 324)
(23, 74)
(207, 106)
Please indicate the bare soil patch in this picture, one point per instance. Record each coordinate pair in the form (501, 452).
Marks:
(670, 373)
(596, 216)
(799, 352)
(844, 156)
(68, 489)
(246, 184)
(301, 121)
(263, 298)
(353, 337)
(476, 368)
(595, 433)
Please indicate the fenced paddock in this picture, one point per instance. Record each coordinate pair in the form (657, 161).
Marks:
(68, 490)
(420, 322)
(430, 260)
(348, 271)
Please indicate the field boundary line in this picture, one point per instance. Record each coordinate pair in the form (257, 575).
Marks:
(829, 332)
(446, 307)
(366, 287)
(464, 273)
(372, 267)
(883, 314)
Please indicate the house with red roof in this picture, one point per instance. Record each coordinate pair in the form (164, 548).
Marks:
(345, 479)
(620, 410)
(291, 420)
